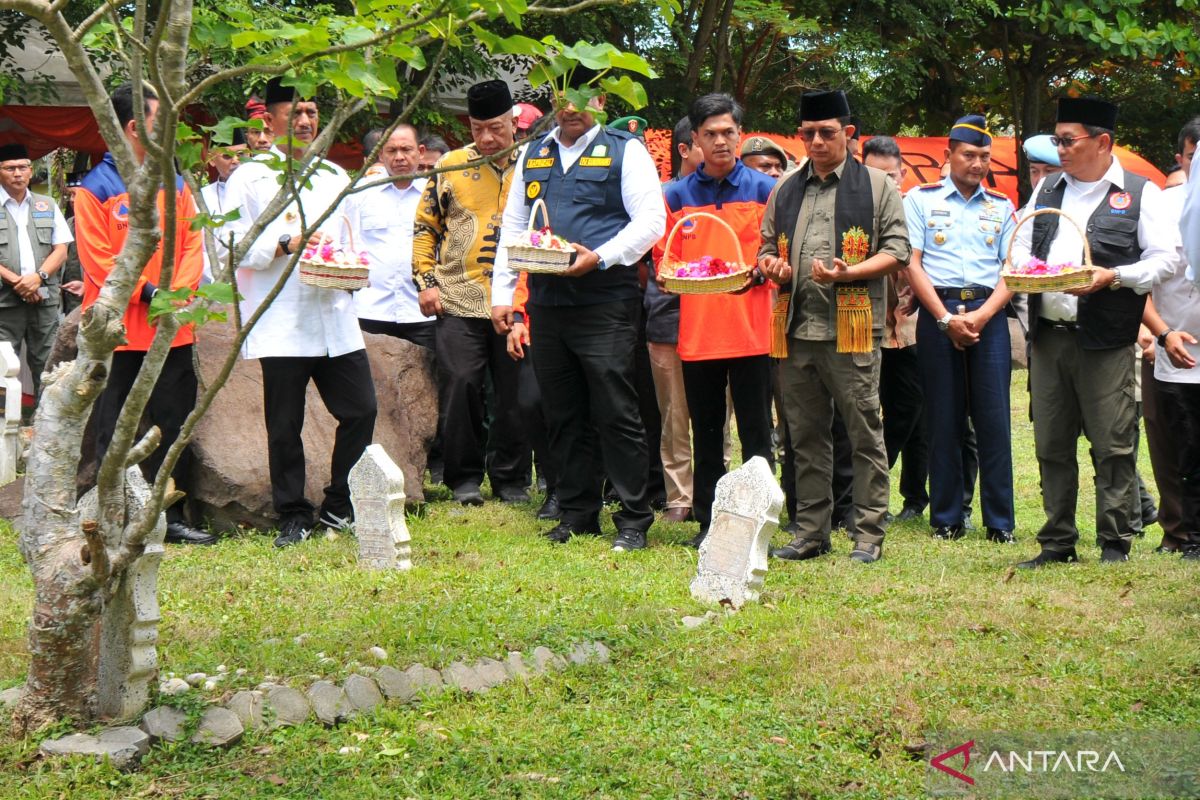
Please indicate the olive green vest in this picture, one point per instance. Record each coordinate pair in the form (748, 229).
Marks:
(41, 234)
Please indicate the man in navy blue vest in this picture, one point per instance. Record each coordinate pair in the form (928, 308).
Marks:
(1081, 363)
(603, 195)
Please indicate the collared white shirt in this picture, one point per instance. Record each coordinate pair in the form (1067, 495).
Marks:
(20, 214)
(641, 192)
(214, 196)
(303, 320)
(1189, 226)
(382, 220)
(1177, 301)
(1158, 238)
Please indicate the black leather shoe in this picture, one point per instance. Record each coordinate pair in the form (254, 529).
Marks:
(802, 550)
(1166, 548)
(550, 509)
(469, 495)
(1001, 536)
(182, 533)
(698, 539)
(1113, 555)
(629, 539)
(562, 532)
(1149, 516)
(1191, 553)
(949, 532)
(907, 513)
(1049, 557)
(512, 494)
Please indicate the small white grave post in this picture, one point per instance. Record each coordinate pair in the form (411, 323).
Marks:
(377, 492)
(10, 391)
(733, 557)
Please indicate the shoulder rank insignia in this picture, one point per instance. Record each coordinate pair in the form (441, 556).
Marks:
(995, 193)
(934, 185)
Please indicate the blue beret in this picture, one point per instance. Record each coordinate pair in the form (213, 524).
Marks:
(971, 129)
(1041, 150)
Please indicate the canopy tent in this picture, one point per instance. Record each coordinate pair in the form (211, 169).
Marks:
(922, 155)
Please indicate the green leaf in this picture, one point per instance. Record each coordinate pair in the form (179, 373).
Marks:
(629, 90)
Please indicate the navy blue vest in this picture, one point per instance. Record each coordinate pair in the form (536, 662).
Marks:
(585, 207)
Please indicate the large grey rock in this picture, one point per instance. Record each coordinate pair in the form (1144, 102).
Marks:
(545, 659)
(124, 746)
(248, 707)
(491, 672)
(219, 727)
(395, 684)
(231, 485)
(329, 702)
(423, 678)
(164, 724)
(601, 654)
(288, 706)
(462, 677)
(362, 693)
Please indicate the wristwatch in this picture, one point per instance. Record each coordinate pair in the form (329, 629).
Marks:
(601, 264)
(1162, 337)
(284, 241)
(45, 276)
(944, 323)
(1116, 281)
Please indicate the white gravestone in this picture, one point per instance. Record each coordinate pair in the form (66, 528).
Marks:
(129, 623)
(377, 492)
(10, 391)
(733, 557)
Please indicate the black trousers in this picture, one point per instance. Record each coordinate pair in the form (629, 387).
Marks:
(904, 432)
(348, 391)
(1182, 409)
(749, 381)
(419, 333)
(533, 417)
(172, 399)
(584, 360)
(468, 350)
(783, 439)
(656, 486)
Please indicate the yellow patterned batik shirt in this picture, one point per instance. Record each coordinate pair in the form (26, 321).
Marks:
(457, 232)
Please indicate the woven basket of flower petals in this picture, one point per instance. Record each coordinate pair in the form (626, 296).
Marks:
(1036, 276)
(330, 267)
(708, 274)
(539, 250)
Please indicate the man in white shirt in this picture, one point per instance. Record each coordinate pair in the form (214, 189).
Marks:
(224, 160)
(603, 195)
(1171, 384)
(33, 248)
(382, 220)
(1081, 365)
(307, 333)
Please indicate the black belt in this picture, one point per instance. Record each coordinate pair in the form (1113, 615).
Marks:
(963, 293)
(1058, 325)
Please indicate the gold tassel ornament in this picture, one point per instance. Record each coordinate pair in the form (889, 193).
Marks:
(854, 322)
(779, 312)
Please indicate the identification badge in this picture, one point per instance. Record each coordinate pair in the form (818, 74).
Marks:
(590, 161)
(940, 212)
(41, 205)
(533, 189)
(1121, 200)
(539, 163)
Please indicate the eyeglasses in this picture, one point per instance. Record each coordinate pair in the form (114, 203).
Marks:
(1067, 142)
(808, 134)
(12, 168)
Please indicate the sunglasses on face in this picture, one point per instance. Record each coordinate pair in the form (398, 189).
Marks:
(827, 134)
(1067, 142)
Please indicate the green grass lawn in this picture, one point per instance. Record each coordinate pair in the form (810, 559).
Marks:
(815, 692)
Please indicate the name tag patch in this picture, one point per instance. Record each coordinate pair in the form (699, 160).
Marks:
(940, 212)
(539, 163)
(592, 161)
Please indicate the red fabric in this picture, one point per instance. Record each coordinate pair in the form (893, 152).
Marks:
(45, 128)
(923, 156)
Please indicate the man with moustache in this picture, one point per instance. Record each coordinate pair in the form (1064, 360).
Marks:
(959, 230)
(603, 194)
(1081, 364)
(832, 209)
(307, 333)
(454, 254)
